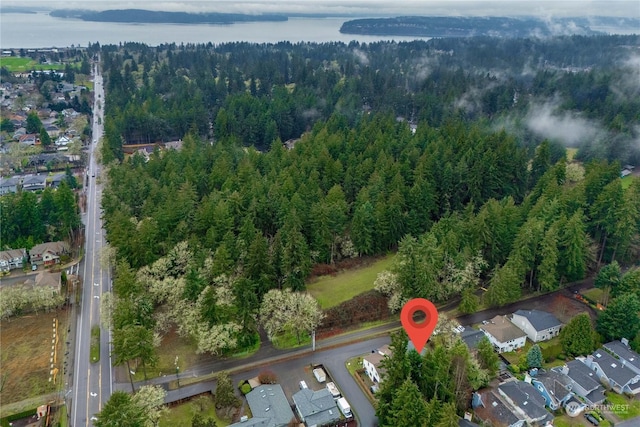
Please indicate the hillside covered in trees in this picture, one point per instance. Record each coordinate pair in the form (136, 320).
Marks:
(451, 152)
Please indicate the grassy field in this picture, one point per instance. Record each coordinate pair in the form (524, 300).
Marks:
(622, 406)
(181, 415)
(26, 348)
(16, 64)
(627, 180)
(171, 346)
(332, 290)
(594, 294)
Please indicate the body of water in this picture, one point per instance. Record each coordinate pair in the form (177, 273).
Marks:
(18, 30)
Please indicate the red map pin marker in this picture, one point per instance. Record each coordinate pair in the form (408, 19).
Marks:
(419, 333)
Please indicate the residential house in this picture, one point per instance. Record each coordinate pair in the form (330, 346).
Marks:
(537, 324)
(526, 401)
(34, 182)
(12, 259)
(554, 386)
(503, 334)
(626, 170)
(269, 407)
(28, 139)
(316, 408)
(47, 279)
(613, 372)
(57, 179)
(622, 350)
(48, 253)
(9, 185)
(20, 131)
(371, 363)
(584, 381)
(490, 409)
(471, 337)
(62, 140)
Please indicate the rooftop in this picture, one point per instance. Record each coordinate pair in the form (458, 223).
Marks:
(316, 407)
(540, 320)
(269, 407)
(527, 398)
(502, 329)
(623, 352)
(613, 368)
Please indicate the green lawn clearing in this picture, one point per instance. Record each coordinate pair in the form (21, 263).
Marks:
(594, 294)
(333, 290)
(181, 415)
(18, 65)
(622, 406)
(171, 346)
(627, 181)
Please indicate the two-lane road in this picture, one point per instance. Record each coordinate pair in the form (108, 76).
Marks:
(92, 384)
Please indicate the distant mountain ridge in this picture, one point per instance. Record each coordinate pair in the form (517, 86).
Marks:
(446, 26)
(142, 16)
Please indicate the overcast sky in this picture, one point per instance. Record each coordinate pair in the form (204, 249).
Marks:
(544, 8)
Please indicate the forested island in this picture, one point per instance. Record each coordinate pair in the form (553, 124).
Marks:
(141, 16)
(448, 26)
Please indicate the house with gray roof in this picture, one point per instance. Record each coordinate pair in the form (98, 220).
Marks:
(269, 407)
(555, 387)
(613, 372)
(584, 381)
(9, 185)
(34, 183)
(622, 350)
(503, 334)
(316, 408)
(526, 401)
(471, 337)
(491, 409)
(12, 259)
(57, 179)
(537, 324)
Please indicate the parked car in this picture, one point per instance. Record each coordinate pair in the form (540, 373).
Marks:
(593, 420)
(34, 267)
(303, 385)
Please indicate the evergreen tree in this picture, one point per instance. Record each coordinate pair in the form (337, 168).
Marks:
(578, 337)
(120, 411)
(408, 407)
(620, 319)
(487, 357)
(534, 357)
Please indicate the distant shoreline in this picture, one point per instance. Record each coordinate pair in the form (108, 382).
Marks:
(141, 16)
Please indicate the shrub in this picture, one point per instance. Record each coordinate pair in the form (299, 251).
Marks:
(245, 388)
(267, 377)
(366, 307)
(323, 270)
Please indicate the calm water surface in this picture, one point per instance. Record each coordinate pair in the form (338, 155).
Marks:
(18, 30)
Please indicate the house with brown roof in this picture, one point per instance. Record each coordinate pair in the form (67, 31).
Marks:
(504, 335)
(47, 279)
(48, 253)
(371, 363)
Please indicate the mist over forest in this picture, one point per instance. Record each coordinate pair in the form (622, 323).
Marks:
(577, 91)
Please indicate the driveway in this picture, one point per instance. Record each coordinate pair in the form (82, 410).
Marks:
(290, 372)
